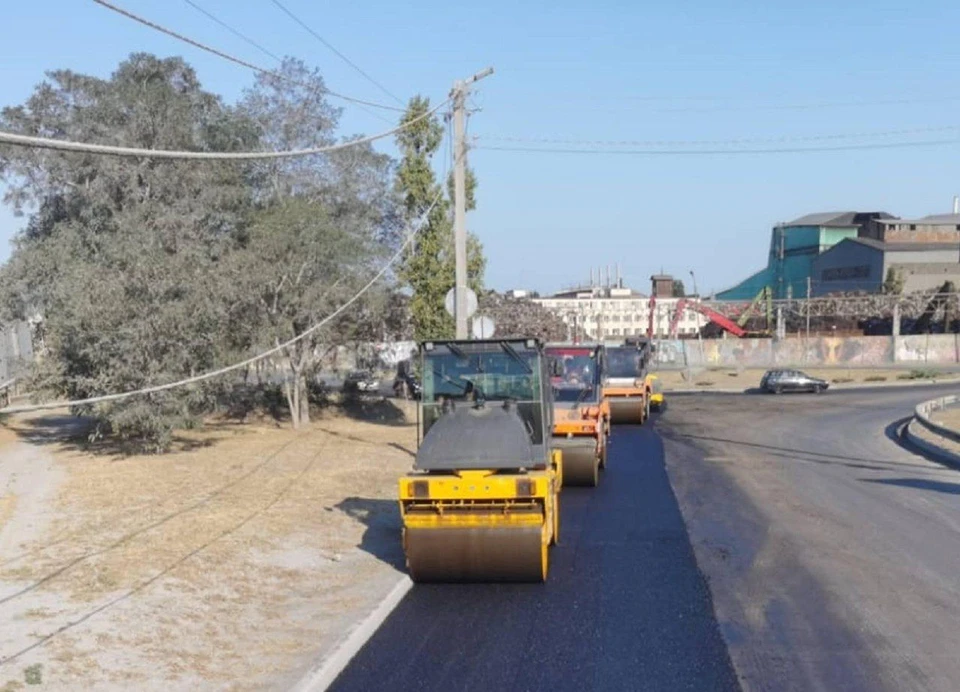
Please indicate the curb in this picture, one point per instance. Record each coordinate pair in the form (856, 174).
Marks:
(322, 674)
(945, 456)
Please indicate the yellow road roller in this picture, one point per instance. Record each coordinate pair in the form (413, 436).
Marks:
(627, 387)
(482, 502)
(581, 416)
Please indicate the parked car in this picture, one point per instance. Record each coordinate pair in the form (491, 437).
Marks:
(778, 381)
(361, 381)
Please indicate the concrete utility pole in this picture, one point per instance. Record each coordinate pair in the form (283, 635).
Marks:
(808, 305)
(458, 96)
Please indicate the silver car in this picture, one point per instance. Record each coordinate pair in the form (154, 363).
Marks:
(778, 381)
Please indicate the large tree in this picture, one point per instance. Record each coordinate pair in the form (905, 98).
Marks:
(327, 221)
(429, 265)
(120, 255)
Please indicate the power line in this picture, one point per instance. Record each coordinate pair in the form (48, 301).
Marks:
(705, 142)
(421, 223)
(813, 105)
(338, 53)
(722, 152)
(63, 145)
(233, 31)
(263, 50)
(233, 59)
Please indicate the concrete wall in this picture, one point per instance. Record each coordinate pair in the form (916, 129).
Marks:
(922, 277)
(859, 351)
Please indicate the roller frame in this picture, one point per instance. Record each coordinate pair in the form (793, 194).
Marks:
(478, 527)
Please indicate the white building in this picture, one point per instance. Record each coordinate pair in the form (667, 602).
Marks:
(600, 313)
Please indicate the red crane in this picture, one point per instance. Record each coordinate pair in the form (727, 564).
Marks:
(712, 315)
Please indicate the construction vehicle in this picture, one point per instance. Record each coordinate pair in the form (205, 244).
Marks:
(627, 386)
(713, 316)
(581, 416)
(765, 296)
(482, 503)
(657, 401)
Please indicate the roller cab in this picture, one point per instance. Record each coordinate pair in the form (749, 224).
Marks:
(581, 417)
(627, 387)
(482, 503)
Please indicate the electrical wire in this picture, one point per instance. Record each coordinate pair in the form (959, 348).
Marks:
(263, 50)
(420, 224)
(233, 31)
(108, 150)
(233, 59)
(343, 57)
(722, 152)
(707, 142)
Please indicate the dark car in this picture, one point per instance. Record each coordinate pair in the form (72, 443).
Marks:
(361, 381)
(778, 381)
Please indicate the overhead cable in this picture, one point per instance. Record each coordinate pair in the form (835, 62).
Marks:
(233, 59)
(720, 152)
(233, 31)
(108, 150)
(335, 51)
(263, 50)
(418, 226)
(707, 142)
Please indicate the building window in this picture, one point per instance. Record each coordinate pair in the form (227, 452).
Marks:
(913, 227)
(616, 332)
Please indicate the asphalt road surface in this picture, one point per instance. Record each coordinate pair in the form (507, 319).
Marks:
(831, 552)
(624, 608)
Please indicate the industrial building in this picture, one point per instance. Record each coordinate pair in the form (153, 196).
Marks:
(836, 252)
(607, 310)
(921, 253)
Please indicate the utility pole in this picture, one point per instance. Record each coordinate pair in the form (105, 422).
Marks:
(458, 96)
(808, 307)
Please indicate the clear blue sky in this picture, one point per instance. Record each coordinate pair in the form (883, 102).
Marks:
(597, 71)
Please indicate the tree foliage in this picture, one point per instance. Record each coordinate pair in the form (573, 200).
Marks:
(148, 271)
(429, 264)
(678, 289)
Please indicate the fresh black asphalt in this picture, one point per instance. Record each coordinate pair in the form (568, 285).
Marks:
(625, 606)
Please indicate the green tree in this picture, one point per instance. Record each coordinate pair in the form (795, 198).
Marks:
(297, 265)
(327, 223)
(121, 256)
(894, 282)
(428, 268)
(678, 289)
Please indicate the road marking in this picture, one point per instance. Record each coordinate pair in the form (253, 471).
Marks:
(323, 673)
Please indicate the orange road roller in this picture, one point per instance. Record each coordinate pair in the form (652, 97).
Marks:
(581, 417)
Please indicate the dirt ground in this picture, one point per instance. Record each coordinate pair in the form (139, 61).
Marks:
(724, 378)
(233, 563)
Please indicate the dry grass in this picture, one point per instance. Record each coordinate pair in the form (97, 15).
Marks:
(256, 547)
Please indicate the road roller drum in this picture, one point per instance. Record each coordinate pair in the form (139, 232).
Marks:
(581, 460)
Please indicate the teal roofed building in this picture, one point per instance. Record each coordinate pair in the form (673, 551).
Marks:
(794, 246)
